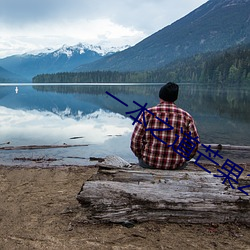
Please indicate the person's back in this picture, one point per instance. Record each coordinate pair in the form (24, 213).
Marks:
(157, 139)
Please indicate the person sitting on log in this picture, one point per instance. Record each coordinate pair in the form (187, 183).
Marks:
(165, 136)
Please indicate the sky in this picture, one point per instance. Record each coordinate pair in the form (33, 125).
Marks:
(33, 25)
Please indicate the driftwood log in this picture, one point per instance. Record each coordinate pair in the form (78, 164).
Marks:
(30, 147)
(227, 147)
(120, 195)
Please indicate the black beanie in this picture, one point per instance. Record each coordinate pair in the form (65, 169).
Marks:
(169, 92)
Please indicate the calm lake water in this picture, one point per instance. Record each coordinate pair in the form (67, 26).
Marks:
(84, 114)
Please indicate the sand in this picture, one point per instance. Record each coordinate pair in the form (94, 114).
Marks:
(38, 210)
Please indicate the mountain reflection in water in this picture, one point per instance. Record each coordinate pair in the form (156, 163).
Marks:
(52, 114)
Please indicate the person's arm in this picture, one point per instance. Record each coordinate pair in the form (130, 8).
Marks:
(194, 133)
(137, 139)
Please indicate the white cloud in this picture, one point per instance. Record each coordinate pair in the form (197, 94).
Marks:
(33, 24)
(33, 127)
(38, 36)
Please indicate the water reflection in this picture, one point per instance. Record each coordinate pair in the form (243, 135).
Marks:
(29, 127)
(225, 101)
(222, 114)
(52, 114)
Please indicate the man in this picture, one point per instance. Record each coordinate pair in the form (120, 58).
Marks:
(159, 139)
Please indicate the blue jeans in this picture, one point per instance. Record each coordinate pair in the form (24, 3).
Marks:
(145, 165)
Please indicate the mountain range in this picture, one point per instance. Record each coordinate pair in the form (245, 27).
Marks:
(214, 26)
(7, 76)
(64, 59)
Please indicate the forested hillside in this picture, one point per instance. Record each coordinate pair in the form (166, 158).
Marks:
(229, 66)
(214, 26)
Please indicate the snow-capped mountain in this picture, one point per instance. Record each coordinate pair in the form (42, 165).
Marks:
(64, 59)
(81, 48)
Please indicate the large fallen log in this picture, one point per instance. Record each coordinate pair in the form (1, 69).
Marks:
(136, 195)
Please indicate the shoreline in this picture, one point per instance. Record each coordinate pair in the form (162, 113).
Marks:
(49, 156)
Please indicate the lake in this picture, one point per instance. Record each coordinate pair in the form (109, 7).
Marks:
(83, 114)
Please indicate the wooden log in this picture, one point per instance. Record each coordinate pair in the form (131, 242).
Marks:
(29, 147)
(39, 159)
(136, 195)
(227, 147)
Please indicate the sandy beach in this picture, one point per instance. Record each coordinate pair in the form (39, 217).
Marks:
(39, 210)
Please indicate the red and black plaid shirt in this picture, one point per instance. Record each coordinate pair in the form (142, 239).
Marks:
(150, 149)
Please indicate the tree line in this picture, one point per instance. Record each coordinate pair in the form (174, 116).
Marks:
(231, 66)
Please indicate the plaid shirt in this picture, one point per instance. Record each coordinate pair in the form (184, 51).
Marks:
(150, 149)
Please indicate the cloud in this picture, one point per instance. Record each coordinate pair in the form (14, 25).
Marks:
(142, 14)
(33, 127)
(30, 24)
(38, 36)
(22, 12)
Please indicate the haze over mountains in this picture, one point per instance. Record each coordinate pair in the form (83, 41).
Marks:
(214, 26)
(7, 76)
